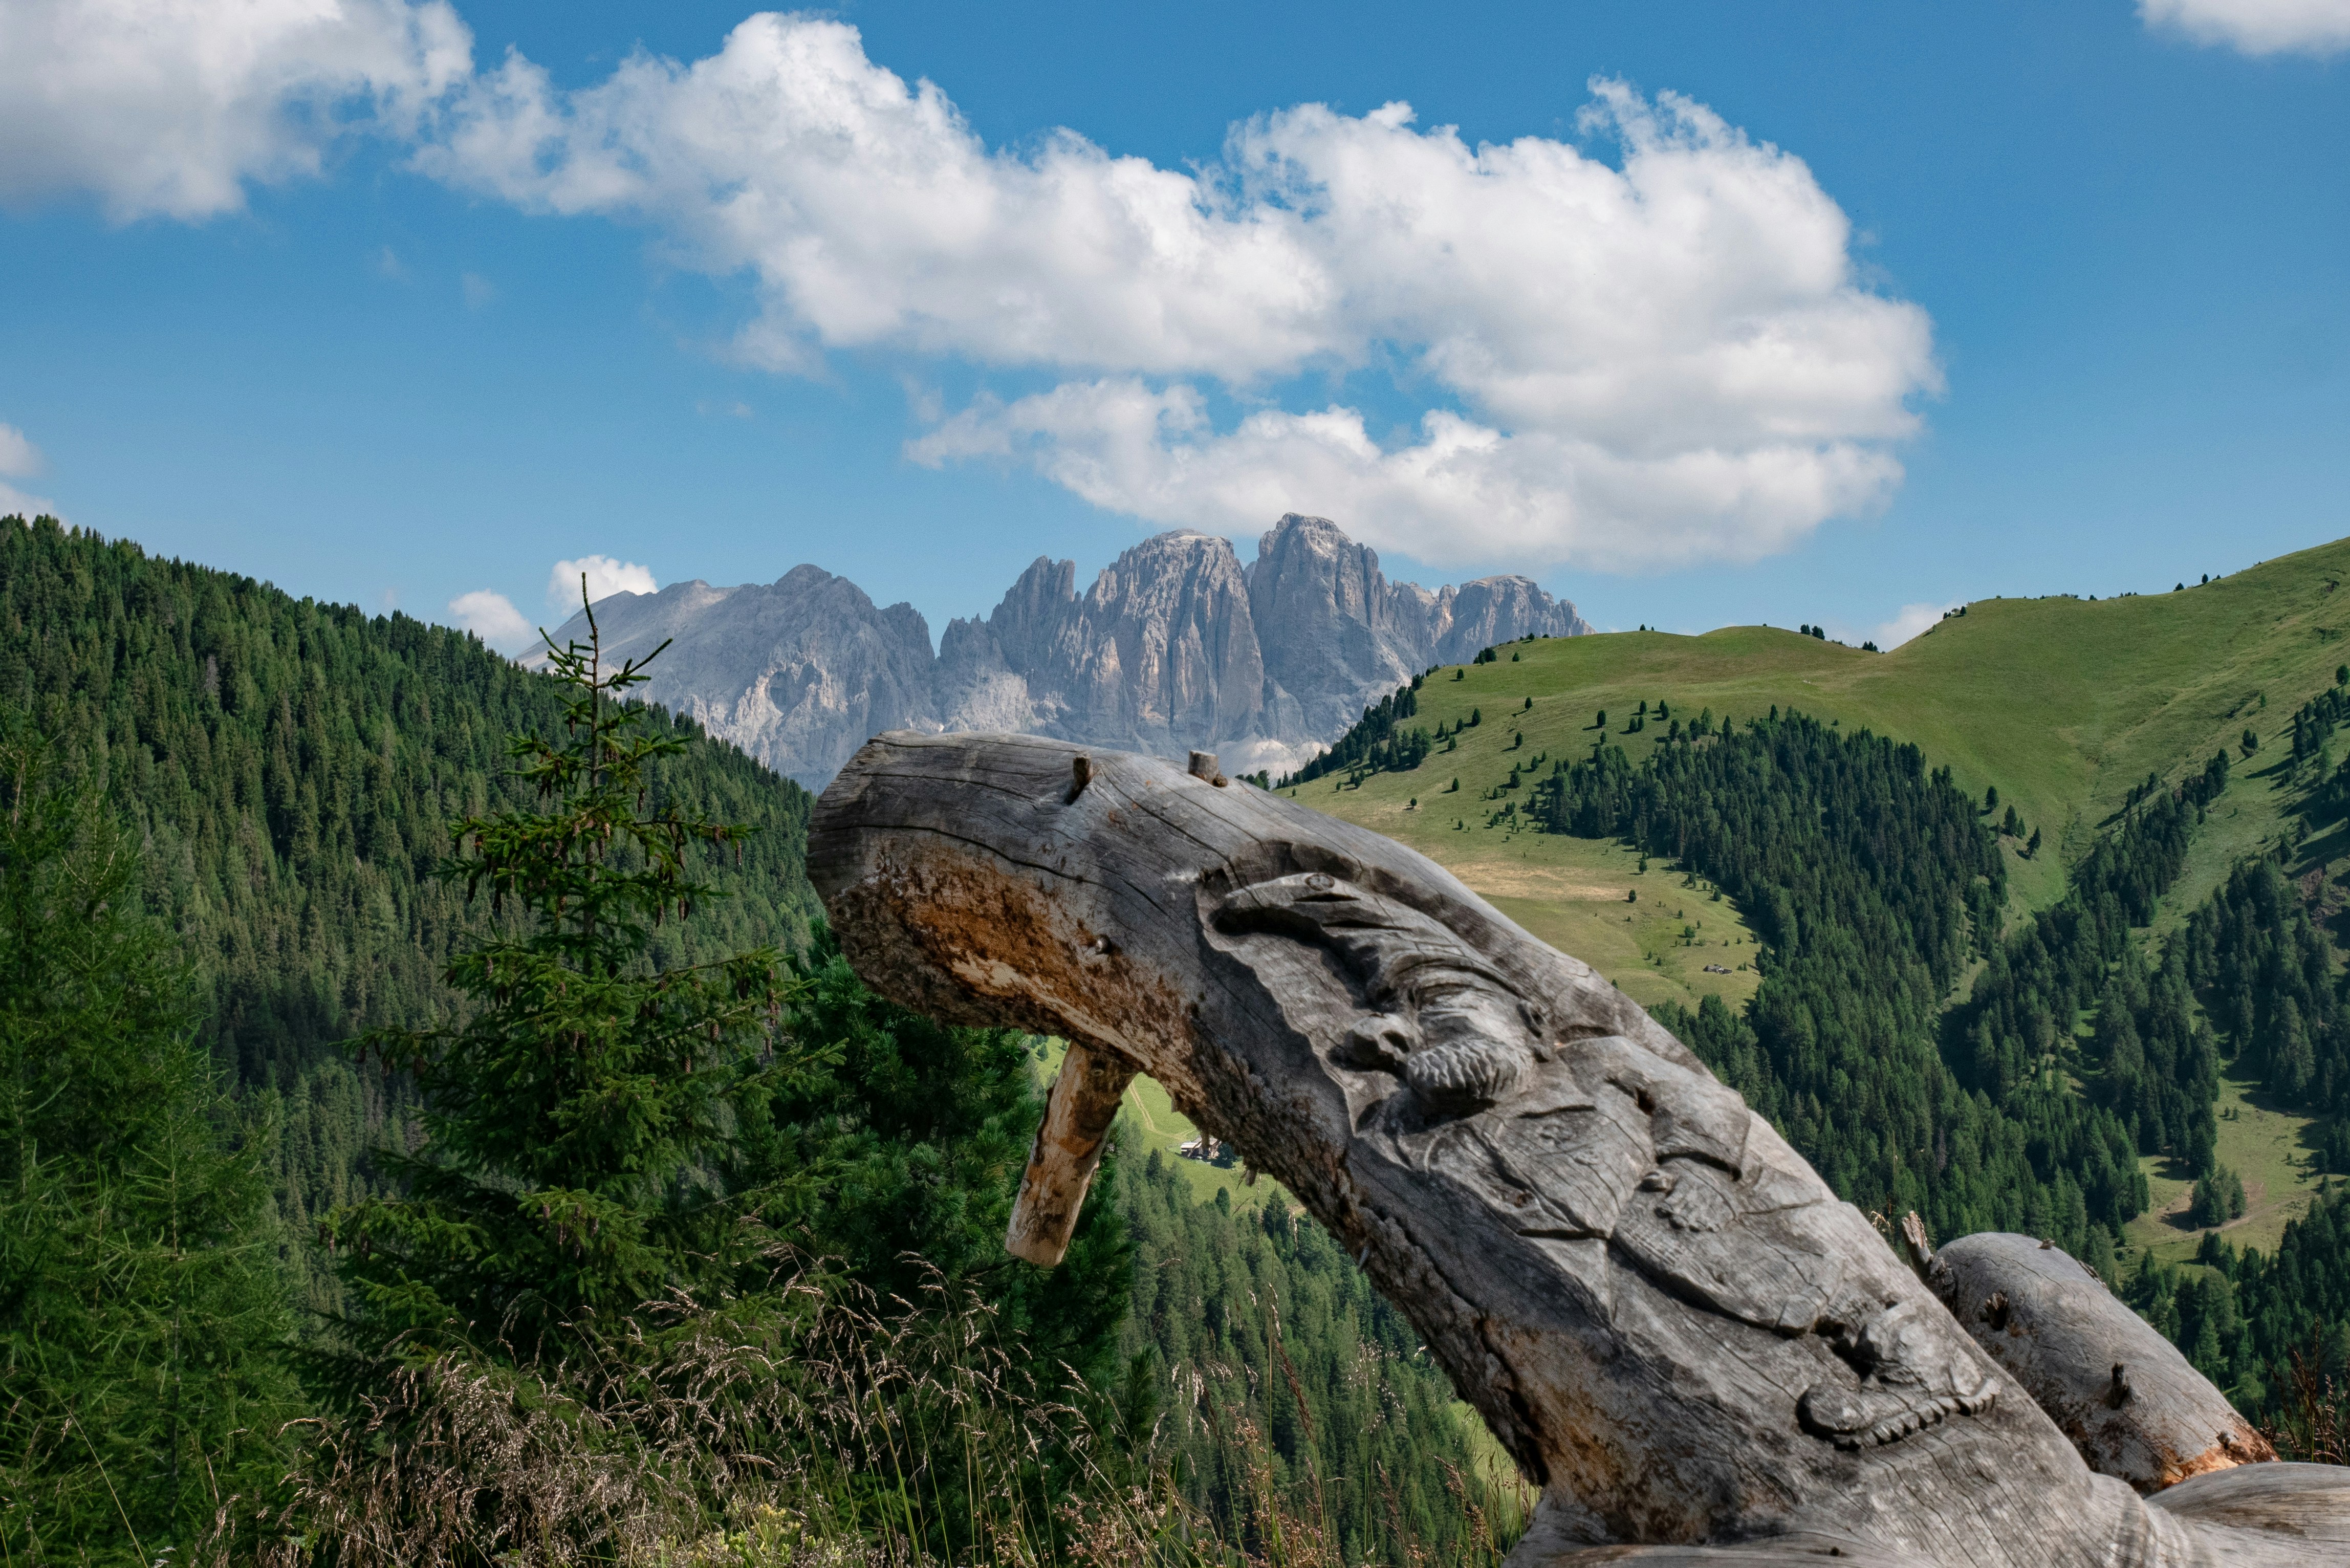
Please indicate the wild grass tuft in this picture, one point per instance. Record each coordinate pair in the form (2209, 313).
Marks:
(819, 1426)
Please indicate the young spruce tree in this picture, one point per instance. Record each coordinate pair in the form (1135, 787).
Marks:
(577, 1118)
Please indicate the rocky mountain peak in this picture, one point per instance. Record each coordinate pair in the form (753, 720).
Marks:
(1174, 645)
(1325, 609)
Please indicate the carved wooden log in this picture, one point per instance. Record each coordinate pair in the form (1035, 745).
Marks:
(1657, 1306)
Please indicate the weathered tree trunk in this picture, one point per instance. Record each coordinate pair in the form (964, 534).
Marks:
(1657, 1306)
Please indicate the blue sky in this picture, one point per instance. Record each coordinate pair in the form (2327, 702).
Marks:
(1706, 314)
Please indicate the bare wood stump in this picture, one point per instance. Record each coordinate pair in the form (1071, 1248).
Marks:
(1660, 1310)
(2121, 1392)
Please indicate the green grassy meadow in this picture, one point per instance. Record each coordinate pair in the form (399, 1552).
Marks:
(2062, 704)
(2261, 1142)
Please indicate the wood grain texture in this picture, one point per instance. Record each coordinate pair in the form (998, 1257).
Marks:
(1657, 1306)
(2310, 1503)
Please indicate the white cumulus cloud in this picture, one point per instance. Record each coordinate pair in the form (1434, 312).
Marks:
(15, 502)
(170, 106)
(2257, 26)
(1909, 621)
(606, 577)
(1630, 361)
(1464, 491)
(19, 458)
(492, 617)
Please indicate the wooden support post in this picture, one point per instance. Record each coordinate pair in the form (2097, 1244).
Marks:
(1078, 1111)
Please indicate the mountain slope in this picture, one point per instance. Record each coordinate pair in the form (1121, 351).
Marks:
(293, 768)
(2064, 705)
(798, 672)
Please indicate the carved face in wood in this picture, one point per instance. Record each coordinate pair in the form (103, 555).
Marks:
(1580, 1135)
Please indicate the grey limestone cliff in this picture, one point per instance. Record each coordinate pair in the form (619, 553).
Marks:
(1337, 633)
(1175, 644)
(1161, 653)
(798, 672)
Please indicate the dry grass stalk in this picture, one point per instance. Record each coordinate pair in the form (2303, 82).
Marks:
(817, 1427)
(825, 1428)
(2312, 1423)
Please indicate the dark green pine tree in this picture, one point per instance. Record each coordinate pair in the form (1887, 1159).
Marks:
(577, 1119)
(142, 1316)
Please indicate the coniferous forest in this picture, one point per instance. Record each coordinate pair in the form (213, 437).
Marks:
(440, 1128)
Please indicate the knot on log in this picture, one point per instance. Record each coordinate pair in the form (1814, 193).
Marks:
(1916, 1248)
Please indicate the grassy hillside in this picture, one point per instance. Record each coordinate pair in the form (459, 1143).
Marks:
(2261, 1138)
(2062, 703)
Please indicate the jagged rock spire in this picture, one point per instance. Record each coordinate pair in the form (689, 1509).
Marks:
(1174, 645)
